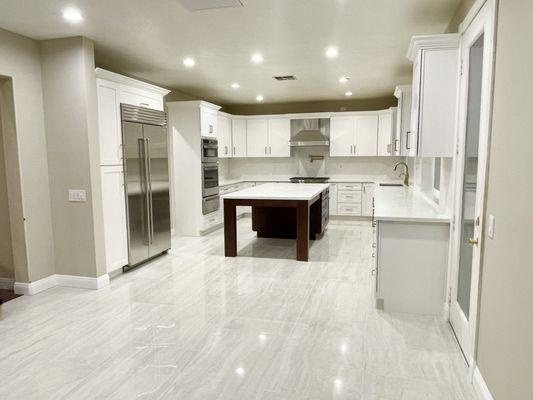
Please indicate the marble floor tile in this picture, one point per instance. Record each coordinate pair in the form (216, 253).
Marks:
(194, 324)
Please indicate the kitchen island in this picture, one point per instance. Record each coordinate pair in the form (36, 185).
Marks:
(279, 210)
(410, 252)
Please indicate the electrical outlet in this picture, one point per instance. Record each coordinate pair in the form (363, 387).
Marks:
(77, 195)
(490, 228)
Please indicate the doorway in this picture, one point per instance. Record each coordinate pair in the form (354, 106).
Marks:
(471, 168)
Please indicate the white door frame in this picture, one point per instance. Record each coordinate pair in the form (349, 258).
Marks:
(480, 20)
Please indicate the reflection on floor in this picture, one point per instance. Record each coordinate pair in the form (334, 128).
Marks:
(195, 325)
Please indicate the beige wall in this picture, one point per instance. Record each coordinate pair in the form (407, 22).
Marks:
(25, 145)
(459, 15)
(6, 249)
(313, 106)
(69, 86)
(505, 349)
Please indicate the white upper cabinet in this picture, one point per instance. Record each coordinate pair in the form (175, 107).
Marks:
(366, 135)
(239, 137)
(208, 121)
(403, 119)
(386, 132)
(109, 122)
(279, 134)
(225, 148)
(257, 138)
(434, 97)
(112, 90)
(342, 136)
(268, 137)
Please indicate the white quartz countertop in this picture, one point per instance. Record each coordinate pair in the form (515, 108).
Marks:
(405, 204)
(279, 191)
(332, 179)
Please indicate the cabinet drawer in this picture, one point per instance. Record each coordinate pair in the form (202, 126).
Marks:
(212, 219)
(349, 197)
(349, 209)
(349, 186)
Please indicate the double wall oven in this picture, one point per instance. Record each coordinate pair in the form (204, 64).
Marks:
(210, 195)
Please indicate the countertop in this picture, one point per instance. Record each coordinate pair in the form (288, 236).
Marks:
(283, 178)
(279, 191)
(405, 204)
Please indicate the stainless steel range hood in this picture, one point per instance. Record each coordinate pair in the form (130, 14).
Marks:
(309, 132)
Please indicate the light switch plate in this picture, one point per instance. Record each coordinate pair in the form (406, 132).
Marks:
(77, 195)
(491, 226)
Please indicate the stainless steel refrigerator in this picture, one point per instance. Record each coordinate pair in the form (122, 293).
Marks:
(146, 177)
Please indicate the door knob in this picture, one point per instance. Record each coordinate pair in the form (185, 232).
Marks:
(472, 241)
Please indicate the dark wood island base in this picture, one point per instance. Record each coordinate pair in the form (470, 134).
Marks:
(302, 220)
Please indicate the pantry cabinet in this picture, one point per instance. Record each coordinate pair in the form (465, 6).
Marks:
(434, 97)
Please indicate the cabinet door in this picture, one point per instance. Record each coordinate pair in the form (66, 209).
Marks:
(109, 124)
(437, 103)
(279, 134)
(368, 195)
(366, 135)
(403, 122)
(114, 214)
(139, 98)
(238, 128)
(411, 138)
(257, 138)
(341, 131)
(385, 134)
(208, 122)
(332, 199)
(224, 137)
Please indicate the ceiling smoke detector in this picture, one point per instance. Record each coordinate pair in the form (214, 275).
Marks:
(285, 78)
(199, 5)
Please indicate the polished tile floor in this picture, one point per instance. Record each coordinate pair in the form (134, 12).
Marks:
(195, 325)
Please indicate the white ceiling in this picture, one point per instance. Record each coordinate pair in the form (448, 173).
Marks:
(149, 39)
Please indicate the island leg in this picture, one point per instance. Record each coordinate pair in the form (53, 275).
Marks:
(302, 231)
(230, 228)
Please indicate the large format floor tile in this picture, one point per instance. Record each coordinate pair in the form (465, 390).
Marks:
(196, 325)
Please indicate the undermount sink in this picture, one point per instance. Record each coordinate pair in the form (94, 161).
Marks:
(391, 184)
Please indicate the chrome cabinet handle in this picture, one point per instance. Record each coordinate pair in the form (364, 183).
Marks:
(396, 142)
(266, 150)
(407, 141)
(210, 128)
(233, 150)
(226, 150)
(144, 104)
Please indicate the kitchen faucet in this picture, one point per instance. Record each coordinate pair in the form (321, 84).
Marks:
(406, 174)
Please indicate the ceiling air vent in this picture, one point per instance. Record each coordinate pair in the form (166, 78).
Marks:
(199, 5)
(285, 78)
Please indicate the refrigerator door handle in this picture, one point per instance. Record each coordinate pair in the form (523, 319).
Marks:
(149, 191)
(143, 183)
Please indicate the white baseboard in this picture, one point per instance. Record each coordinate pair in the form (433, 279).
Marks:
(7, 283)
(480, 386)
(82, 282)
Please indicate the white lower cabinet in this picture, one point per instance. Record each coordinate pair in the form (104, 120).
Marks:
(114, 213)
(349, 199)
(333, 199)
(367, 197)
(411, 266)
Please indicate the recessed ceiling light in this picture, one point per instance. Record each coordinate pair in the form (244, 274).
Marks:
(72, 15)
(332, 52)
(259, 97)
(189, 62)
(257, 58)
(348, 93)
(235, 86)
(343, 79)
